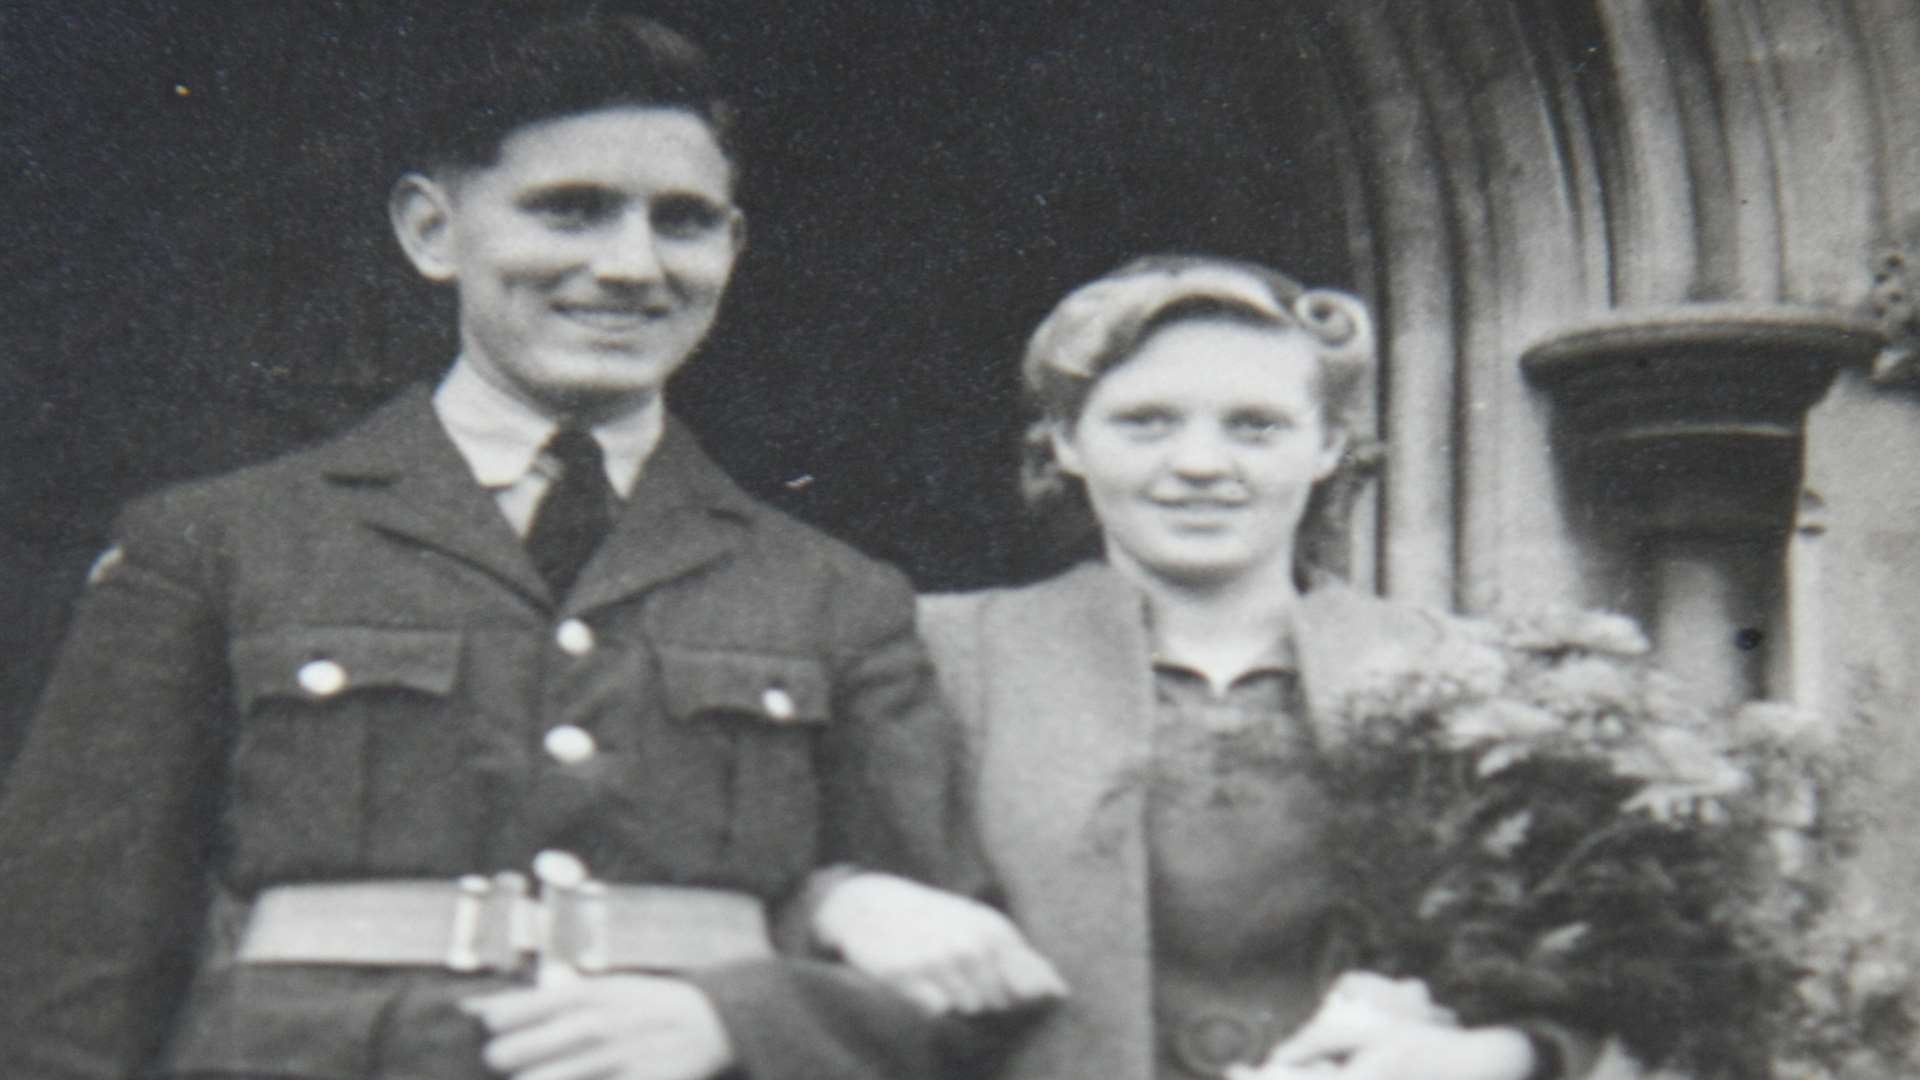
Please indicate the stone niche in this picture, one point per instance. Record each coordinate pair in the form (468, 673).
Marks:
(1682, 428)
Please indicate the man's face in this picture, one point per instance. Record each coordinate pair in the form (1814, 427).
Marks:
(590, 258)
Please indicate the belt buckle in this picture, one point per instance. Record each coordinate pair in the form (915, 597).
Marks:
(492, 928)
(1209, 1042)
(572, 938)
(499, 926)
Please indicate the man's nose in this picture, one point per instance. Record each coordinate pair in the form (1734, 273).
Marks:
(629, 251)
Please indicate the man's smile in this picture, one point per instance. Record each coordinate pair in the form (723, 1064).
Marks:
(613, 318)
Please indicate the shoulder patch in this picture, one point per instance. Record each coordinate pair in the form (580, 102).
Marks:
(104, 566)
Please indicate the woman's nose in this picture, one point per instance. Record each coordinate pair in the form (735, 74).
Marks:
(1199, 454)
(629, 251)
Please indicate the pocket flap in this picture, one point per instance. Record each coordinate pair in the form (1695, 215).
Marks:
(776, 689)
(318, 662)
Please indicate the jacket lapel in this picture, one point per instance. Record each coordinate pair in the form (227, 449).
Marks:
(401, 474)
(1346, 642)
(682, 514)
(1064, 766)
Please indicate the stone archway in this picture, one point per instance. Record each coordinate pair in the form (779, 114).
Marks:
(1532, 170)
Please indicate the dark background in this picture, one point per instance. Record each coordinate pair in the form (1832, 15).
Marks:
(198, 272)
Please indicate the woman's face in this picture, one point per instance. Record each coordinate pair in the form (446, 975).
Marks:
(1200, 450)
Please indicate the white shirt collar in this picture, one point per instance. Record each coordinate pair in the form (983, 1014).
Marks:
(500, 436)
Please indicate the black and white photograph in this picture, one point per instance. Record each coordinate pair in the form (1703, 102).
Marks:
(960, 540)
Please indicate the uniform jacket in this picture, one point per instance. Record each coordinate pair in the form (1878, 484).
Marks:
(1054, 685)
(180, 761)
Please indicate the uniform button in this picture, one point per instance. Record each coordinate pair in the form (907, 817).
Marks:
(559, 868)
(569, 745)
(575, 637)
(322, 678)
(778, 703)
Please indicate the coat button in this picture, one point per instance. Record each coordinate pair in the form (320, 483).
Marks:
(778, 703)
(569, 745)
(574, 637)
(322, 678)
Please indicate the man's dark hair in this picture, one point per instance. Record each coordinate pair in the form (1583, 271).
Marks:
(562, 69)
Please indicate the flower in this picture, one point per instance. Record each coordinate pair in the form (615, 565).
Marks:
(1560, 629)
(1534, 821)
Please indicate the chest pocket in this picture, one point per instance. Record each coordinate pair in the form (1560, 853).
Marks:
(318, 663)
(342, 730)
(783, 691)
(765, 712)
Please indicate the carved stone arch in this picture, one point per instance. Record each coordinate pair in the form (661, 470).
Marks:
(1720, 177)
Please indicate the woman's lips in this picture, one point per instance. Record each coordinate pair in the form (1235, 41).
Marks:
(1199, 513)
(1200, 505)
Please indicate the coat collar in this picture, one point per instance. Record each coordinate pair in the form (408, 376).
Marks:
(409, 480)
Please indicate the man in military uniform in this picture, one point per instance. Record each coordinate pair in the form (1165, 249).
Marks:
(502, 734)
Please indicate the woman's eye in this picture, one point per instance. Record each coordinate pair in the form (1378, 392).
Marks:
(1144, 423)
(687, 218)
(1257, 425)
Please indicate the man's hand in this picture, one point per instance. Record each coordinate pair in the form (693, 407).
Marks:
(946, 952)
(612, 1027)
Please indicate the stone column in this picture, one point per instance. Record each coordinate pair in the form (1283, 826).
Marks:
(1684, 428)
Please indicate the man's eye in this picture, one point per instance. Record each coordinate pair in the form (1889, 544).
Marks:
(687, 218)
(573, 208)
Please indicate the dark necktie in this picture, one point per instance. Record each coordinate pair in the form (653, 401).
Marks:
(575, 513)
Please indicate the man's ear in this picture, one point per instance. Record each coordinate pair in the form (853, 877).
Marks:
(1065, 453)
(421, 210)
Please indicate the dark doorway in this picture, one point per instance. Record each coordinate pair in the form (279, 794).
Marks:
(199, 273)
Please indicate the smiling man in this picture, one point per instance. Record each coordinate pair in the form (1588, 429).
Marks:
(504, 735)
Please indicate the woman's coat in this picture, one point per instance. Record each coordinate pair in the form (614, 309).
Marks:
(1054, 683)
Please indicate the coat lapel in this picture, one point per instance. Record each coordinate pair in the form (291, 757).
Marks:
(401, 474)
(682, 514)
(1347, 641)
(1064, 773)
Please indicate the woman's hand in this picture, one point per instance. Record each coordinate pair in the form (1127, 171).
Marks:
(1413, 1050)
(609, 1027)
(946, 952)
(1371, 1027)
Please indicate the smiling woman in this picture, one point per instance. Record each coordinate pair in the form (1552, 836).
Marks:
(1200, 452)
(1147, 723)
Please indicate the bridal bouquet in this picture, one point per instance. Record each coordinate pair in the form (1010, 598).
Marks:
(1535, 822)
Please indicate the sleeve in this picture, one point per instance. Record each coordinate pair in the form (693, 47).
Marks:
(104, 819)
(806, 1019)
(894, 798)
(895, 767)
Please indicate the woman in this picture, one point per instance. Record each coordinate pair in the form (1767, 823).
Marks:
(1140, 723)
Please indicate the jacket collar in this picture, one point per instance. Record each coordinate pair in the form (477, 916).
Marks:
(410, 481)
(501, 436)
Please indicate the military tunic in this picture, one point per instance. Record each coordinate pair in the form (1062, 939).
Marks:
(341, 666)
